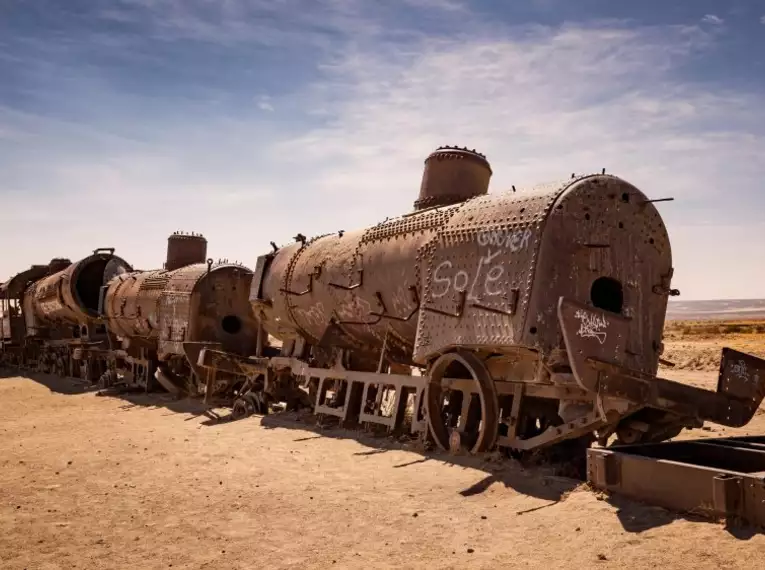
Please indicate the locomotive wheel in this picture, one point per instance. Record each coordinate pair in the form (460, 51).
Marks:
(248, 404)
(478, 435)
(257, 402)
(241, 409)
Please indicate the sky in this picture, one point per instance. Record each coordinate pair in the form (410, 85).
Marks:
(251, 121)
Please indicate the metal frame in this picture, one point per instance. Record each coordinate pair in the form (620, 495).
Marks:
(722, 477)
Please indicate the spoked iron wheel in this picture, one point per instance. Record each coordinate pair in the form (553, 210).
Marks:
(454, 422)
(248, 404)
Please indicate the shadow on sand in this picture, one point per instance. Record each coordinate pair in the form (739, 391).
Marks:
(56, 384)
(75, 386)
(542, 481)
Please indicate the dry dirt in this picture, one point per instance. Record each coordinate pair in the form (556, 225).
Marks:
(695, 345)
(144, 482)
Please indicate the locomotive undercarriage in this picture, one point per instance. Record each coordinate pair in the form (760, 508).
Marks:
(79, 358)
(519, 400)
(526, 413)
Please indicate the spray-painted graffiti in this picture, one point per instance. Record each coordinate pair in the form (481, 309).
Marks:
(355, 310)
(485, 280)
(591, 325)
(401, 302)
(739, 369)
(515, 240)
(312, 317)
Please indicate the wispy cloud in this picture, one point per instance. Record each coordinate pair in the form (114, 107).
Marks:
(339, 140)
(580, 97)
(264, 103)
(712, 19)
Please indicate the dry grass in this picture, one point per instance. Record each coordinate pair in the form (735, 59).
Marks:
(696, 345)
(708, 329)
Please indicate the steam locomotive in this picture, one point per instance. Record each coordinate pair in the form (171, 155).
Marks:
(99, 320)
(521, 319)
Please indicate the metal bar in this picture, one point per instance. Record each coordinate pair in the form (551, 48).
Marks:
(715, 477)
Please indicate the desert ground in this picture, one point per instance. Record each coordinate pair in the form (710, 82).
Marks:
(146, 482)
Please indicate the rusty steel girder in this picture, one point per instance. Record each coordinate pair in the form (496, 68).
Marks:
(715, 477)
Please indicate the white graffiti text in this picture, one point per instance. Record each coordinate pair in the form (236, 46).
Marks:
(591, 325)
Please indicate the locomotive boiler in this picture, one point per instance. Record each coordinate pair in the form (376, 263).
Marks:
(62, 326)
(534, 316)
(162, 318)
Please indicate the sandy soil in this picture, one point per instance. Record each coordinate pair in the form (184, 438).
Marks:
(144, 482)
(696, 345)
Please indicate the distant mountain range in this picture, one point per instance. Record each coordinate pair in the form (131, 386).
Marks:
(716, 309)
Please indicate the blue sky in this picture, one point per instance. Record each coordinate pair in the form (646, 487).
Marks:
(252, 120)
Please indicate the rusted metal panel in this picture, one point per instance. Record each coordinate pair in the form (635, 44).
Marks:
(206, 303)
(132, 303)
(478, 271)
(71, 295)
(605, 245)
(596, 342)
(175, 309)
(716, 477)
(591, 333)
(364, 285)
(741, 375)
(256, 289)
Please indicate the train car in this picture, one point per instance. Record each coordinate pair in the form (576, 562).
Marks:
(12, 328)
(522, 319)
(162, 318)
(63, 333)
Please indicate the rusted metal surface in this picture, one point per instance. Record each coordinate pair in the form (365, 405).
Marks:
(166, 316)
(11, 314)
(715, 477)
(185, 249)
(71, 295)
(15, 286)
(130, 303)
(207, 303)
(519, 319)
(453, 175)
(482, 276)
(358, 285)
(494, 273)
(597, 344)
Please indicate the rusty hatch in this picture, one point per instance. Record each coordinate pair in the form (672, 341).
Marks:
(716, 477)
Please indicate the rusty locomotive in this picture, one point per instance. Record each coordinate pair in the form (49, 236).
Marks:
(102, 321)
(522, 319)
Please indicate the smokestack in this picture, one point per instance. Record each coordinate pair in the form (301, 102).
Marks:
(453, 175)
(185, 249)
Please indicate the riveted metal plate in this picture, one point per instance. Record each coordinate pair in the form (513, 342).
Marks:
(366, 283)
(604, 245)
(479, 269)
(417, 222)
(175, 308)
